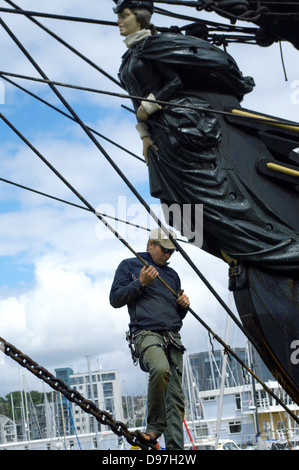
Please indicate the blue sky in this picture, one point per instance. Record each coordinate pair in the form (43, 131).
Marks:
(56, 265)
(14, 273)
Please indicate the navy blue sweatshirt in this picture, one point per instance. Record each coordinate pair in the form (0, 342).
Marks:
(152, 307)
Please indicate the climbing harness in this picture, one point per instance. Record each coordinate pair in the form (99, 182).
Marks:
(168, 342)
(129, 339)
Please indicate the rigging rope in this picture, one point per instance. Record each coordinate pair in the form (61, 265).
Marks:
(217, 39)
(64, 43)
(55, 16)
(71, 117)
(161, 102)
(220, 26)
(88, 132)
(55, 198)
(208, 5)
(211, 5)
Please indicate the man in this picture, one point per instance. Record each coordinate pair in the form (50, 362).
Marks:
(156, 317)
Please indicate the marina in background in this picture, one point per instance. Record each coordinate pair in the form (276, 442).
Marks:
(225, 410)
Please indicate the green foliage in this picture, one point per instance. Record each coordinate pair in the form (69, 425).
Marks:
(14, 400)
(3, 407)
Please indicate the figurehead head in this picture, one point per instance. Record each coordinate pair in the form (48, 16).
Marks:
(141, 9)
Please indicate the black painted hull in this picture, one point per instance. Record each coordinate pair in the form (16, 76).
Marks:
(269, 310)
(267, 295)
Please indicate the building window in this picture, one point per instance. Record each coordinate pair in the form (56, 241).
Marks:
(107, 376)
(234, 427)
(210, 398)
(202, 431)
(77, 380)
(238, 401)
(108, 389)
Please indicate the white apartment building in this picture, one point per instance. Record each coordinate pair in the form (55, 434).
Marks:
(102, 388)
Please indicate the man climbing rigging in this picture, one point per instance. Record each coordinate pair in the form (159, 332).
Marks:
(156, 317)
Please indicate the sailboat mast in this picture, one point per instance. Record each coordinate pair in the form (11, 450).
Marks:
(223, 375)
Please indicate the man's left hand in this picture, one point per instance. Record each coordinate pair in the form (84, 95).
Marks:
(183, 300)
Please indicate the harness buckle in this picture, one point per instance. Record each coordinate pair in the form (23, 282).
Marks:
(131, 347)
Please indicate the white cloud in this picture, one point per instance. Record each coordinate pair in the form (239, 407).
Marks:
(64, 316)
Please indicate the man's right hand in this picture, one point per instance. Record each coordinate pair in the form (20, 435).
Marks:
(147, 275)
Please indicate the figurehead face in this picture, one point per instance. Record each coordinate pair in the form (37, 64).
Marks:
(127, 22)
(133, 15)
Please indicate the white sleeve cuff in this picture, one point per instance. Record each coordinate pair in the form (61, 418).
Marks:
(149, 107)
(142, 128)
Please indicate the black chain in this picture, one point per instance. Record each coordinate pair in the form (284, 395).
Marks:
(103, 417)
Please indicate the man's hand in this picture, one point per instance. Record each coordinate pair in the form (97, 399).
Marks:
(183, 300)
(147, 275)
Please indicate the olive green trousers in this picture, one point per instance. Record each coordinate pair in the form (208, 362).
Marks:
(166, 404)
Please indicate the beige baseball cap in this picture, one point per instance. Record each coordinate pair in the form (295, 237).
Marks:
(157, 235)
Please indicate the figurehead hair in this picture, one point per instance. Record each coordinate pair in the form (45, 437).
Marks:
(121, 4)
(143, 11)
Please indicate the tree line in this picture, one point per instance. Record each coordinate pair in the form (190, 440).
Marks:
(11, 405)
